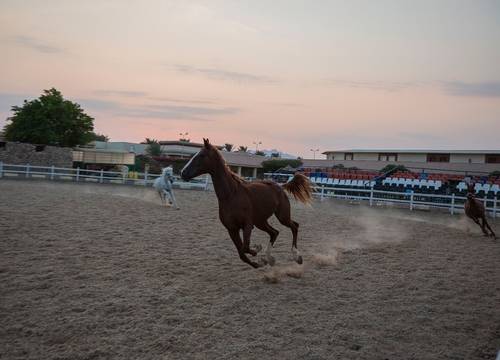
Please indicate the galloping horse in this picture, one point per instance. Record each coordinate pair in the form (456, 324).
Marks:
(475, 210)
(243, 205)
(163, 185)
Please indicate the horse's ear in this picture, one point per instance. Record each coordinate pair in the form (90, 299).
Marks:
(206, 142)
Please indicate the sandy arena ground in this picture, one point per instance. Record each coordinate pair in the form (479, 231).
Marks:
(105, 272)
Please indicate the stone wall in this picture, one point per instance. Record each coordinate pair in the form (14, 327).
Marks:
(37, 155)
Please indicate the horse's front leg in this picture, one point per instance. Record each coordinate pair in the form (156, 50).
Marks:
(172, 198)
(235, 236)
(247, 232)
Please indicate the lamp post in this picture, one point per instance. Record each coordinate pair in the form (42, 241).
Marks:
(314, 153)
(183, 138)
(257, 143)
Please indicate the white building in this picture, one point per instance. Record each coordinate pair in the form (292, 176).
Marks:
(480, 161)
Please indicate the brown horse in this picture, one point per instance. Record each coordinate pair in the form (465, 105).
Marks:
(475, 210)
(243, 205)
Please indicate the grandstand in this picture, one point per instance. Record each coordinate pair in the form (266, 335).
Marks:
(404, 181)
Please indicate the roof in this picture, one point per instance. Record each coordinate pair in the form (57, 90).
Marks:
(413, 151)
(241, 158)
(120, 146)
(184, 143)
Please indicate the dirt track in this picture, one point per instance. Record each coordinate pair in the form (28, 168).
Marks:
(98, 272)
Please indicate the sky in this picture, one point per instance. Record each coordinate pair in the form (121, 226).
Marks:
(294, 75)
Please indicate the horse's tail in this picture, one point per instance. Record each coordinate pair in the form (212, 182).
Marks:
(300, 188)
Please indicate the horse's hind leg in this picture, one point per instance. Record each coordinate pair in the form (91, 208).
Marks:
(481, 226)
(485, 223)
(283, 215)
(273, 234)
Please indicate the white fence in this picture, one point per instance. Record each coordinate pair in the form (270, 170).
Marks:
(413, 200)
(93, 176)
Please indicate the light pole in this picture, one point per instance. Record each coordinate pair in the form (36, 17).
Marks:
(257, 143)
(183, 136)
(314, 153)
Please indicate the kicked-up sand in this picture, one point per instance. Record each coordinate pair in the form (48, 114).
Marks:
(106, 272)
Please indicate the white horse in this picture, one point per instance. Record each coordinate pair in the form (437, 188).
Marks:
(163, 185)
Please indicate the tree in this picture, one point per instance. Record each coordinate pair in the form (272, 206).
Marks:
(153, 148)
(228, 147)
(261, 153)
(99, 137)
(242, 148)
(276, 164)
(50, 120)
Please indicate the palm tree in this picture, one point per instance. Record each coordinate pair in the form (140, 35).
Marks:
(228, 147)
(242, 148)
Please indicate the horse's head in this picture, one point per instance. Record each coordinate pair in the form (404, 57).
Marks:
(470, 190)
(167, 171)
(202, 162)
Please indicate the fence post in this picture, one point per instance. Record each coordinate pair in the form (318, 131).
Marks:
(101, 177)
(452, 208)
(52, 172)
(27, 170)
(1, 169)
(371, 195)
(78, 174)
(322, 192)
(411, 201)
(145, 177)
(494, 206)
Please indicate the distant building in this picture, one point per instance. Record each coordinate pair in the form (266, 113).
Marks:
(182, 149)
(123, 153)
(473, 161)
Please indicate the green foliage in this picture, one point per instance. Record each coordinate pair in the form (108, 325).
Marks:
(153, 148)
(49, 120)
(99, 137)
(393, 168)
(495, 173)
(143, 161)
(276, 164)
(242, 148)
(228, 147)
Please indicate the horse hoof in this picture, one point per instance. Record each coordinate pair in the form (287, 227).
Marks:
(271, 261)
(257, 248)
(299, 260)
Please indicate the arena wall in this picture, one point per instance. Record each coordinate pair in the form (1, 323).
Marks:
(37, 155)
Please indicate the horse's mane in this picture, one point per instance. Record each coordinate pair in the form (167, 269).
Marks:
(234, 176)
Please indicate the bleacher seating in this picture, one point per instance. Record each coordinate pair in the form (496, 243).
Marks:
(403, 181)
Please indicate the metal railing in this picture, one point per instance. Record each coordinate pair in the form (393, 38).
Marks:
(412, 199)
(95, 176)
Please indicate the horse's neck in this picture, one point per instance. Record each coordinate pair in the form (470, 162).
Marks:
(224, 184)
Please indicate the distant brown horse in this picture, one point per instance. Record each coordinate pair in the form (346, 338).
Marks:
(243, 205)
(475, 210)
